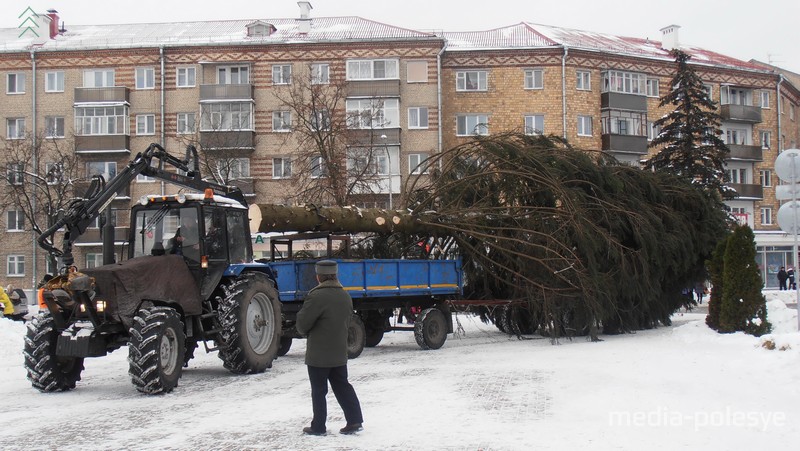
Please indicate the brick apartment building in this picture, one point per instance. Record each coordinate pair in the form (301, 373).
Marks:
(107, 91)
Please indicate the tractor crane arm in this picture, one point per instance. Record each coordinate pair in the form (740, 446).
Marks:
(82, 212)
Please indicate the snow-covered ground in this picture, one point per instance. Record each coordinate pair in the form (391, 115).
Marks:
(678, 387)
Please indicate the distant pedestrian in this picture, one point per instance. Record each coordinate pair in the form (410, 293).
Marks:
(324, 319)
(783, 276)
(790, 274)
(699, 292)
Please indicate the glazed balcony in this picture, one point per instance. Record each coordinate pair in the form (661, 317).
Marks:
(111, 94)
(227, 92)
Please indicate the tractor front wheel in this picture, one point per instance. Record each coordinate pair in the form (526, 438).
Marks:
(47, 371)
(156, 350)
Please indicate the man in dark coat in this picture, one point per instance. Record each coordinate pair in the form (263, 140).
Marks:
(782, 276)
(324, 319)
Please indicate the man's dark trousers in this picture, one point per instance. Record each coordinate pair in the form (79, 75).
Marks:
(342, 389)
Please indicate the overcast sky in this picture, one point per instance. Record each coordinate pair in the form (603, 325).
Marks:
(767, 30)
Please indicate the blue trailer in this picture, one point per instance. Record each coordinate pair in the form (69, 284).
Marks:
(378, 287)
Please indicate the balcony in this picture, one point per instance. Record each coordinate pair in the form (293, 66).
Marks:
(234, 139)
(748, 191)
(745, 153)
(625, 143)
(112, 94)
(98, 144)
(741, 113)
(94, 235)
(226, 92)
(372, 137)
(619, 101)
(373, 88)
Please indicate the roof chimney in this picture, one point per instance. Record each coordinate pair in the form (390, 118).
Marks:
(53, 15)
(304, 22)
(669, 37)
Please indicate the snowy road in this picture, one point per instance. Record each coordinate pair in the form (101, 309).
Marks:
(670, 388)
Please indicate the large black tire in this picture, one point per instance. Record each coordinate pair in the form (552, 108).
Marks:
(374, 327)
(356, 337)
(285, 346)
(430, 329)
(156, 350)
(46, 371)
(373, 337)
(500, 318)
(250, 317)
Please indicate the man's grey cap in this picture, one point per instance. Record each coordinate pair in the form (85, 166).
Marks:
(326, 267)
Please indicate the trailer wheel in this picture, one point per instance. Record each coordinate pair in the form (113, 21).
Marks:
(374, 327)
(430, 329)
(373, 337)
(156, 350)
(356, 337)
(250, 316)
(285, 346)
(46, 371)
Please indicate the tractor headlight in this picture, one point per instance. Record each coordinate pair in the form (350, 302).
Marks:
(144, 200)
(99, 306)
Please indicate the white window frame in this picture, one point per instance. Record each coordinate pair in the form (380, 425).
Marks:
(766, 139)
(281, 74)
(281, 168)
(373, 113)
(652, 86)
(534, 79)
(417, 117)
(472, 124)
(145, 78)
(414, 162)
(583, 80)
(189, 75)
(54, 127)
(54, 81)
(15, 266)
(412, 67)
(109, 169)
(15, 128)
(531, 121)
(237, 74)
(321, 120)
(472, 80)
(101, 120)
(791, 112)
(15, 83)
(239, 168)
(99, 78)
(373, 69)
(320, 73)
(186, 123)
(766, 216)
(15, 173)
(652, 131)
(733, 95)
(145, 124)
(224, 116)
(282, 121)
(318, 169)
(585, 122)
(94, 259)
(57, 176)
(624, 82)
(15, 221)
(764, 100)
(766, 178)
(738, 175)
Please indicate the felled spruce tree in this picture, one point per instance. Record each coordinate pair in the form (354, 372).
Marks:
(743, 306)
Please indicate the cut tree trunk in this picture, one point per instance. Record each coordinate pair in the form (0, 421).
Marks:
(279, 218)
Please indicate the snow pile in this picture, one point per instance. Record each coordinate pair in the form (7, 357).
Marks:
(785, 335)
(12, 335)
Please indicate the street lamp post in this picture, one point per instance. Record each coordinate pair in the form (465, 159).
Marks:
(787, 166)
(389, 168)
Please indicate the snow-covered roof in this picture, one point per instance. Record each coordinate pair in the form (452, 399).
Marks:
(323, 29)
(530, 35)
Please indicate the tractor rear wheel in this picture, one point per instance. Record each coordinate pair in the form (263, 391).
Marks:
(250, 316)
(47, 371)
(430, 329)
(156, 350)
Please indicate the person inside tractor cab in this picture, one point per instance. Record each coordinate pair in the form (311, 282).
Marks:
(186, 241)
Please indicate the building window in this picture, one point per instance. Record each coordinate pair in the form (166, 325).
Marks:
(144, 179)
(107, 169)
(318, 168)
(766, 216)
(54, 81)
(764, 99)
(54, 173)
(709, 91)
(381, 69)
(98, 78)
(624, 82)
(372, 113)
(766, 138)
(186, 123)
(737, 175)
(15, 221)
(417, 72)
(652, 87)
(15, 83)
(15, 265)
(415, 161)
(145, 124)
(584, 125)
(534, 79)
(618, 122)
(321, 120)
(53, 127)
(227, 116)
(233, 75)
(472, 124)
(730, 95)
(583, 80)
(282, 74)
(15, 128)
(791, 112)
(320, 74)
(737, 135)
(101, 120)
(471, 80)
(766, 178)
(15, 173)
(653, 131)
(145, 78)
(418, 117)
(534, 124)
(281, 121)
(281, 168)
(237, 168)
(93, 260)
(186, 77)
